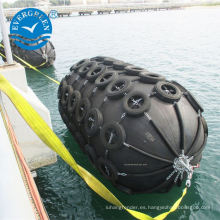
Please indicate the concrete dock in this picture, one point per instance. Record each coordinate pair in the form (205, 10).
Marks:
(36, 153)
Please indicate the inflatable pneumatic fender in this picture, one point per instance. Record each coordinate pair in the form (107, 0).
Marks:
(39, 58)
(142, 132)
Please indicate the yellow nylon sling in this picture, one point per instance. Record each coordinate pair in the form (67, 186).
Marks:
(45, 133)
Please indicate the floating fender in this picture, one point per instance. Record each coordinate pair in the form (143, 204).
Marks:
(135, 126)
(39, 58)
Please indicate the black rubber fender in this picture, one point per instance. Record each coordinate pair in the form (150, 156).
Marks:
(39, 58)
(146, 138)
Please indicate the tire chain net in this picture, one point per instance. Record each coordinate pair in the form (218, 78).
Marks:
(101, 99)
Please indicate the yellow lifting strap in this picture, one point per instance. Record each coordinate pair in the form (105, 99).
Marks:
(45, 133)
(30, 66)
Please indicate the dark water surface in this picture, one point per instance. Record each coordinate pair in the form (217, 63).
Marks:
(183, 45)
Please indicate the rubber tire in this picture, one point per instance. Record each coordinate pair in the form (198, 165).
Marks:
(118, 94)
(79, 64)
(182, 89)
(98, 58)
(67, 78)
(105, 162)
(83, 70)
(170, 98)
(136, 112)
(72, 106)
(92, 75)
(121, 135)
(63, 84)
(67, 91)
(62, 114)
(102, 85)
(98, 118)
(72, 80)
(119, 65)
(87, 104)
(109, 61)
(133, 70)
(147, 77)
(64, 117)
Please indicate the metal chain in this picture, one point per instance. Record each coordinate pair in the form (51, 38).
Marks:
(182, 165)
